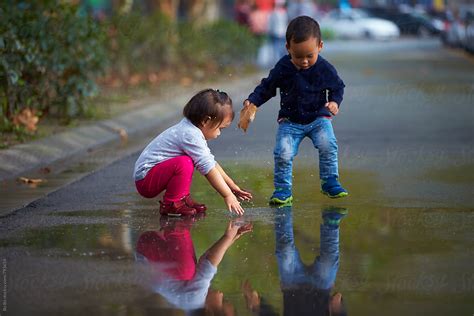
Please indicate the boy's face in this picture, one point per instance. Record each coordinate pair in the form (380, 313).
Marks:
(304, 54)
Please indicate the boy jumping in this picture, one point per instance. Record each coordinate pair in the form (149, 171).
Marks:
(311, 92)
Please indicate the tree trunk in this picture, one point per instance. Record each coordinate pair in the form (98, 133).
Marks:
(202, 11)
(168, 7)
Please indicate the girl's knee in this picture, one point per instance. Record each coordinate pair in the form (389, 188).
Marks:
(185, 163)
(142, 189)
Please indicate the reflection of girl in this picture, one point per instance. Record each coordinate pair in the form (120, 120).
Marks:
(176, 274)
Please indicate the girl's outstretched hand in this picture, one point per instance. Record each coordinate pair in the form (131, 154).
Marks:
(243, 195)
(236, 229)
(233, 205)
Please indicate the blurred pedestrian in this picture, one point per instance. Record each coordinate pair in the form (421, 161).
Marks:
(242, 10)
(258, 21)
(298, 8)
(311, 93)
(277, 23)
(168, 162)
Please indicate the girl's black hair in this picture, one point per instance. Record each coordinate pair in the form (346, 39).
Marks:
(301, 29)
(208, 104)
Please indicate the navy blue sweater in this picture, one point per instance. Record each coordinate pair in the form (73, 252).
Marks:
(302, 92)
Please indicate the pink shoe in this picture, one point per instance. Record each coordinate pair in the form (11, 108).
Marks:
(191, 203)
(178, 208)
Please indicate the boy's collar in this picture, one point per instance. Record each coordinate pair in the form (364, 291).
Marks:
(289, 63)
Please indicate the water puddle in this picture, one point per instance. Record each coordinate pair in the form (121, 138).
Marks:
(365, 249)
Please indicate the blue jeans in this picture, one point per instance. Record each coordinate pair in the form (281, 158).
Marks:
(288, 140)
(321, 274)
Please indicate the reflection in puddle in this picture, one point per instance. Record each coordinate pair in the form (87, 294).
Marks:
(184, 281)
(421, 256)
(176, 274)
(306, 288)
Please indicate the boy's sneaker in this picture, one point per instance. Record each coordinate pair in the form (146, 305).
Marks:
(281, 196)
(332, 188)
(200, 208)
(178, 208)
(332, 216)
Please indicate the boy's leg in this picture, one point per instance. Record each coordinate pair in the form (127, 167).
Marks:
(326, 265)
(324, 139)
(290, 266)
(288, 139)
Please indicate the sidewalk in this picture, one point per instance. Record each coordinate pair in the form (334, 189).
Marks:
(20, 159)
(100, 140)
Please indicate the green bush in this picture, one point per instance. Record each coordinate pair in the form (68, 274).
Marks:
(138, 43)
(328, 34)
(50, 56)
(221, 43)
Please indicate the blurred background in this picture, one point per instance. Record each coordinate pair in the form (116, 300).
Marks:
(57, 55)
(405, 137)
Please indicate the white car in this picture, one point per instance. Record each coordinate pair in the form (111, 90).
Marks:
(356, 23)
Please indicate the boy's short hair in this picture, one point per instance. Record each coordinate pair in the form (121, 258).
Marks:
(301, 29)
(208, 104)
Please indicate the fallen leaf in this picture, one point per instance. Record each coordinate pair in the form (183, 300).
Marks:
(115, 83)
(45, 170)
(27, 118)
(123, 134)
(153, 78)
(30, 181)
(186, 81)
(135, 79)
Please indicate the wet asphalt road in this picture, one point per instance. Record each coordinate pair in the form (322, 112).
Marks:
(406, 155)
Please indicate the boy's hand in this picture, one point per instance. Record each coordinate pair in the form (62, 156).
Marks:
(247, 115)
(332, 107)
(251, 296)
(233, 205)
(243, 195)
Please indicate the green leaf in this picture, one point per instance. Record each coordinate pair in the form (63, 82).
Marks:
(13, 76)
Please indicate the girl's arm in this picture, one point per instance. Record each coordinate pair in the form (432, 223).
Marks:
(224, 175)
(217, 181)
(233, 232)
(241, 194)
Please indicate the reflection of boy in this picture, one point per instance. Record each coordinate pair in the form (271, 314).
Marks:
(177, 276)
(311, 91)
(306, 289)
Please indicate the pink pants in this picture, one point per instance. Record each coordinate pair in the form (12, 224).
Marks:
(173, 175)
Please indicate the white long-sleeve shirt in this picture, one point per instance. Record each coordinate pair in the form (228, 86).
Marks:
(181, 139)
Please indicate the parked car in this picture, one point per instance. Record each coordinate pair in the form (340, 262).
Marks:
(469, 33)
(355, 23)
(412, 23)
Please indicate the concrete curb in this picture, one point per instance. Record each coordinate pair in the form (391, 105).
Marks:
(23, 158)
